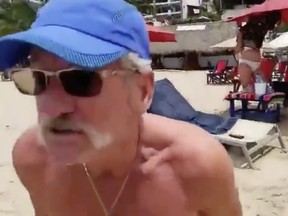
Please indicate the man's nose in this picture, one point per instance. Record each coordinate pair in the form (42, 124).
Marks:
(55, 100)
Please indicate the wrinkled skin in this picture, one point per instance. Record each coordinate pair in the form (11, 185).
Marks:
(174, 168)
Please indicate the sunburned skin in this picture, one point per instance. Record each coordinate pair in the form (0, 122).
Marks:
(173, 168)
(94, 151)
(157, 184)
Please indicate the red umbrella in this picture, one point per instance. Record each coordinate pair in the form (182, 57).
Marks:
(159, 35)
(267, 6)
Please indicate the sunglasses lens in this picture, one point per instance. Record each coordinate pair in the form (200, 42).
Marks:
(81, 83)
(29, 82)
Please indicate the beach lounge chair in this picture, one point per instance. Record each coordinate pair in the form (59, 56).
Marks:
(248, 135)
(219, 74)
(251, 136)
(267, 67)
(282, 85)
(234, 76)
(268, 107)
(285, 76)
(278, 74)
(265, 102)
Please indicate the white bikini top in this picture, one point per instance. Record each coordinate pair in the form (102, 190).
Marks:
(252, 64)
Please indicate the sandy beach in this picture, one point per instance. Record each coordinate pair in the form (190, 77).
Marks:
(263, 192)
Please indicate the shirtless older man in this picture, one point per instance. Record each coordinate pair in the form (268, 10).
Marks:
(94, 150)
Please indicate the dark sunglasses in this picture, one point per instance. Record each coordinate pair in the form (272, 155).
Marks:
(76, 82)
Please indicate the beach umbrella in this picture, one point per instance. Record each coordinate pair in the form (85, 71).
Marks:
(159, 35)
(267, 6)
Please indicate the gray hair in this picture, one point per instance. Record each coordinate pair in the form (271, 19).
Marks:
(133, 62)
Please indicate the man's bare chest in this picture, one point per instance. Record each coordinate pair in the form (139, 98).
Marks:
(156, 195)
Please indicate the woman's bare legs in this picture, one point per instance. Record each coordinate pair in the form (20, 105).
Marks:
(245, 77)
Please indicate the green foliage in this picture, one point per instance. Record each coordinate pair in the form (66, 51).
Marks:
(136, 3)
(142, 6)
(217, 11)
(282, 28)
(18, 15)
(15, 17)
(217, 6)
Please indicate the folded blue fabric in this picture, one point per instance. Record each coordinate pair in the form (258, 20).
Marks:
(170, 103)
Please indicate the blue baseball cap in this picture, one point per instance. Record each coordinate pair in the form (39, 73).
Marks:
(85, 33)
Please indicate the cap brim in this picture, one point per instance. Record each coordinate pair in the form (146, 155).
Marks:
(77, 48)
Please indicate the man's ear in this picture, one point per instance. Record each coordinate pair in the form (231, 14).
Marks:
(147, 91)
(150, 90)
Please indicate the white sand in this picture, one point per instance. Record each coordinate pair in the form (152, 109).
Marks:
(263, 192)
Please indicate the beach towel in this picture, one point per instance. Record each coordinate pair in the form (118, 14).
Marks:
(168, 102)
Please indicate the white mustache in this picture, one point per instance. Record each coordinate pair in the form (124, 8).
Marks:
(63, 124)
(97, 138)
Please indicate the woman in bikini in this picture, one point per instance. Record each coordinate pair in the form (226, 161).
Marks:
(249, 42)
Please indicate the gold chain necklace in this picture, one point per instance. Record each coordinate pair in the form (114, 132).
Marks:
(98, 196)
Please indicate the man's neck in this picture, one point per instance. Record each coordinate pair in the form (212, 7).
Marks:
(115, 161)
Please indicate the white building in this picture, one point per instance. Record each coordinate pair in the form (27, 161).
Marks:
(165, 8)
(190, 7)
(175, 8)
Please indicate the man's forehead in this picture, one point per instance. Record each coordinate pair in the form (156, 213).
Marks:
(42, 59)
(38, 53)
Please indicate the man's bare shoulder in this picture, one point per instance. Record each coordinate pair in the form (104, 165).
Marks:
(195, 146)
(29, 160)
(198, 160)
(197, 152)
(27, 153)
